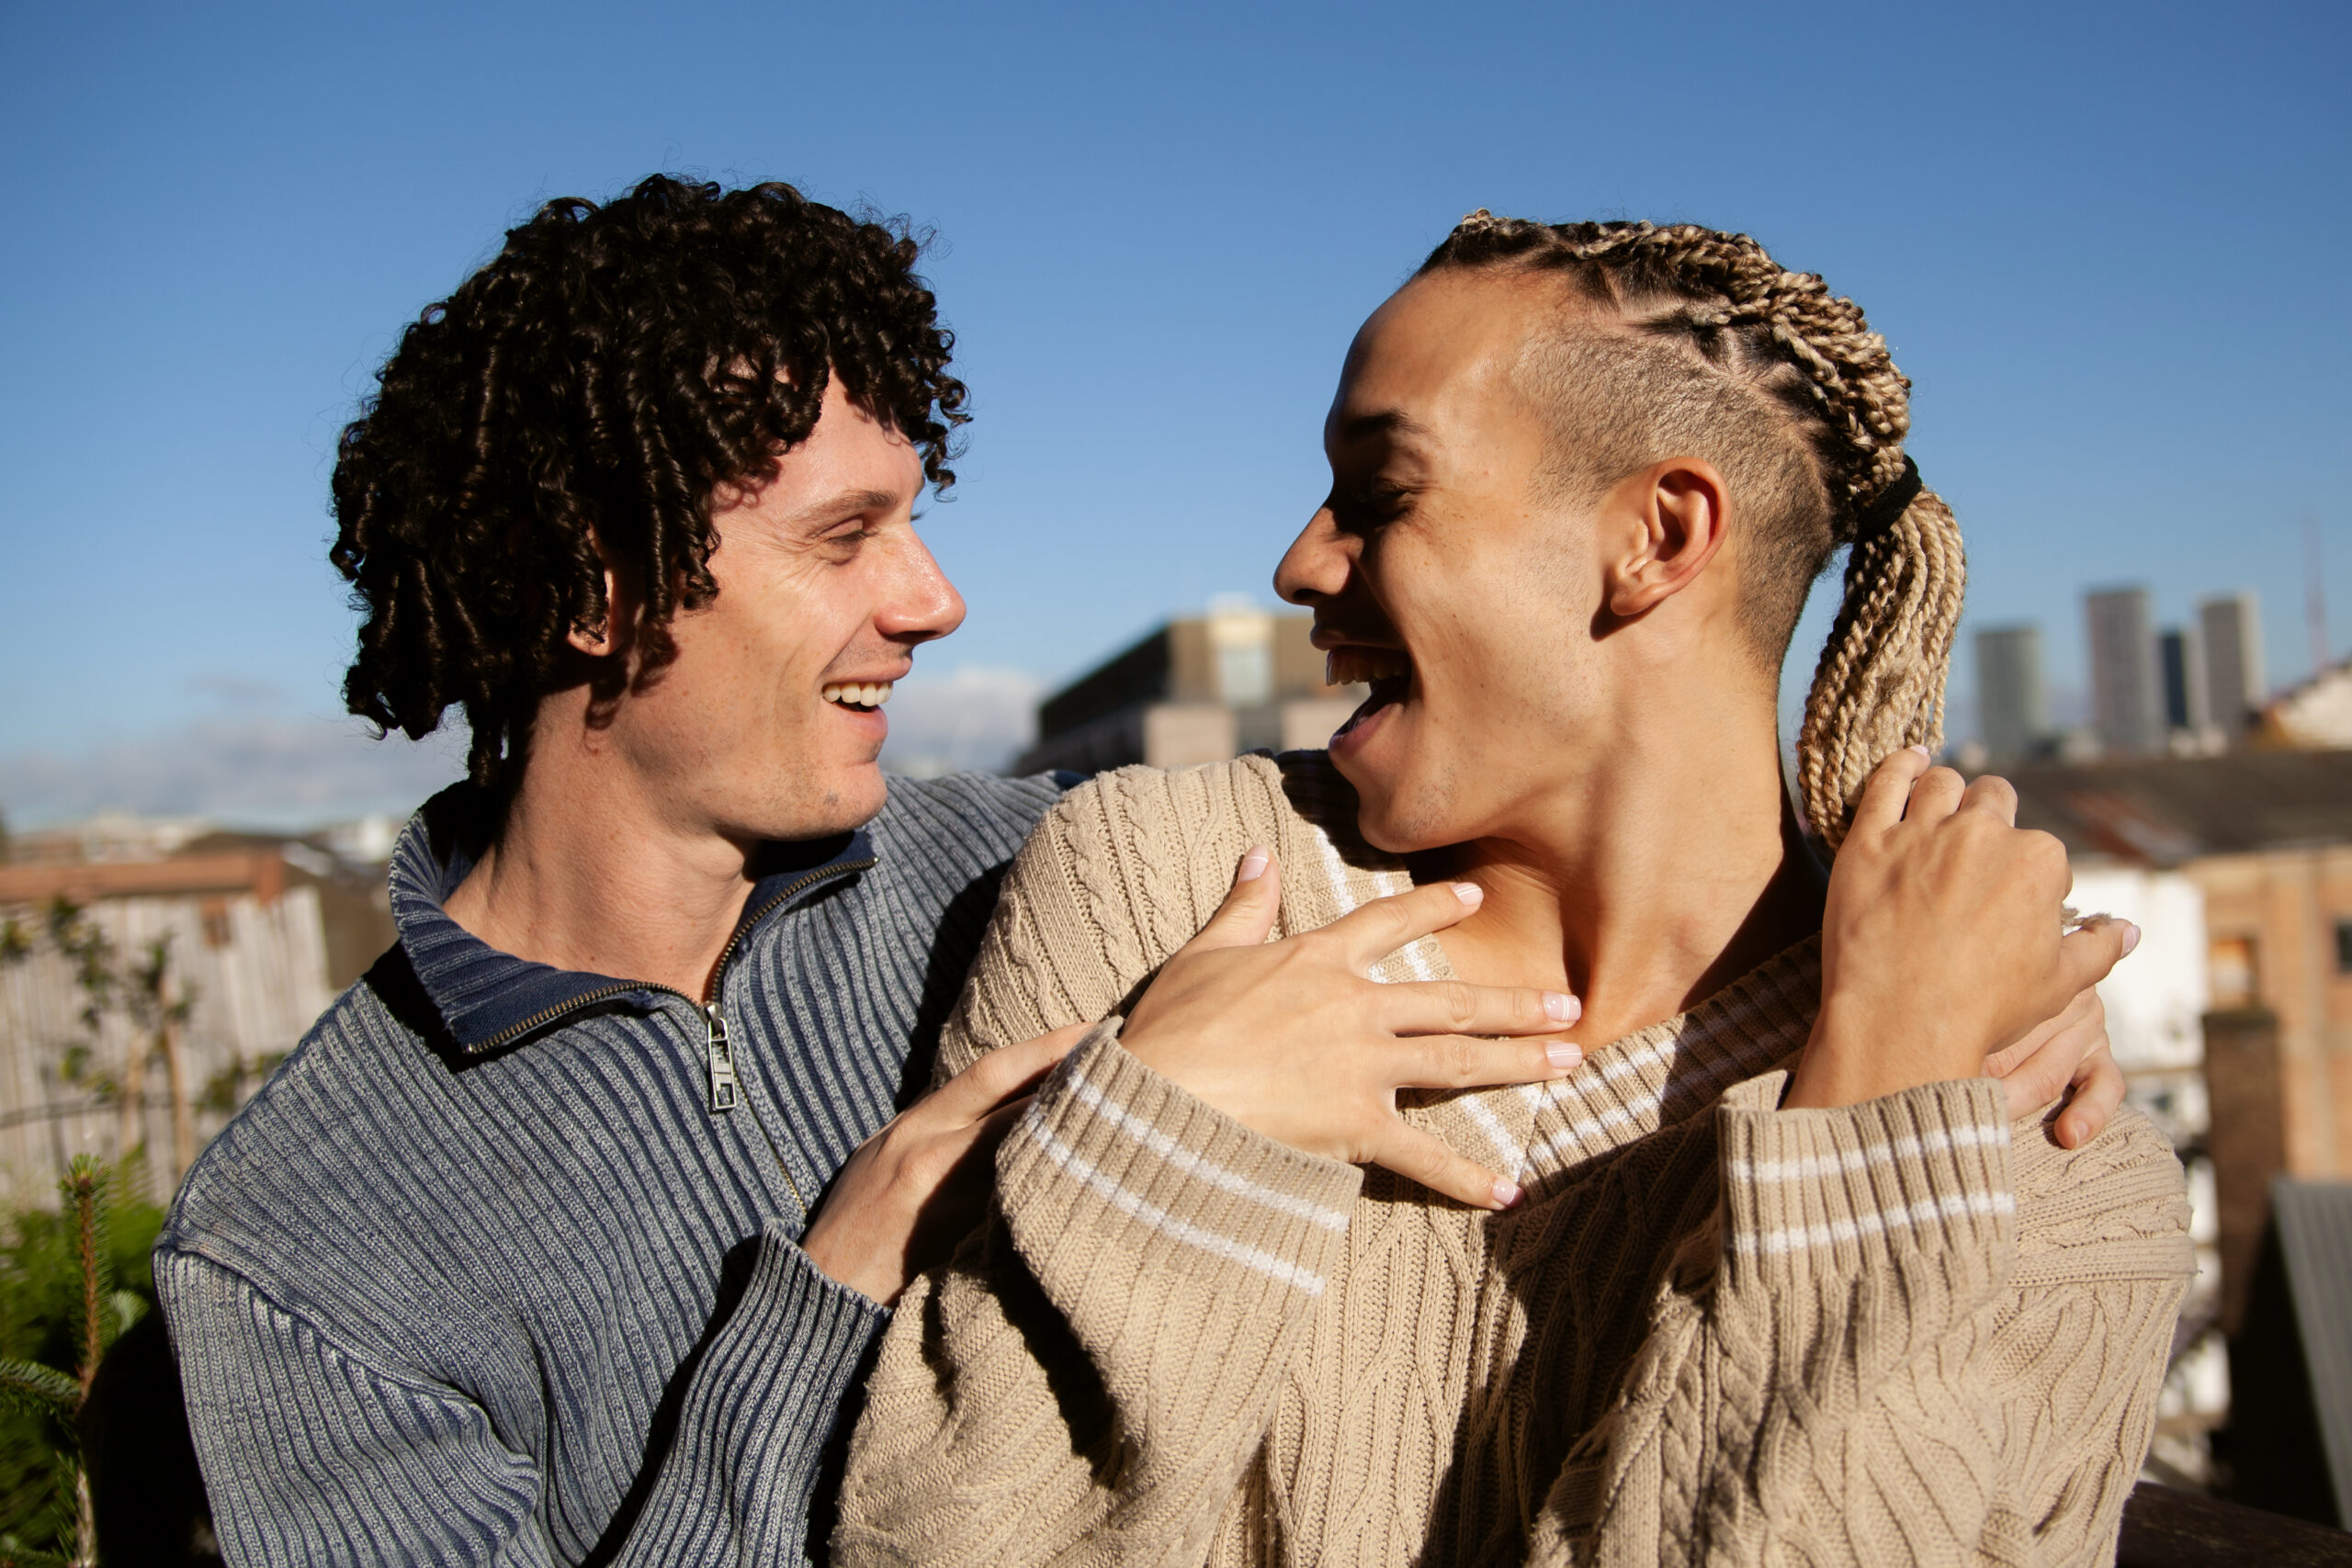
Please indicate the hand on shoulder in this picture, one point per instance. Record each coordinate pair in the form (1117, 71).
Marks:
(1944, 954)
(1295, 1039)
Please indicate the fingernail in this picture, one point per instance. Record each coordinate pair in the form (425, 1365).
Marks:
(1469, 893)
(1563, 1053)
(1506, 1192)
(1254, 865)
(2131, 938)
(1562, 1008)
(1925, 755)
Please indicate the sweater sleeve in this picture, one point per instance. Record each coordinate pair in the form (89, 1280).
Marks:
(1090, 1381)
(1870, 1374)
(311, 1455)
(1089, 1378)
(759, 1420)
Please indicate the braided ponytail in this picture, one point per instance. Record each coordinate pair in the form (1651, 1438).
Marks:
(1815, 378)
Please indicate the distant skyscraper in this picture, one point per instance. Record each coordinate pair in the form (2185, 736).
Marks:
(2012, 710)
(2234, 687)
(2126, 700)
(2180, 661)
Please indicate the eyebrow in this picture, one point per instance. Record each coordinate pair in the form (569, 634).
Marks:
(1388, 422)
(843, 504)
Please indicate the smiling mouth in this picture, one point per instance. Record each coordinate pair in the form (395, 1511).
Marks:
(1389, 671)
(859, 696)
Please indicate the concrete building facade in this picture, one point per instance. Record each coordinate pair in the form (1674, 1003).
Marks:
(2012, 702)
(1199, 689)
(2230, 632)
(2127, 705)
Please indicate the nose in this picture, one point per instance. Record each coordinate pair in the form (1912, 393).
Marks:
(1315, 566)
(922, 605)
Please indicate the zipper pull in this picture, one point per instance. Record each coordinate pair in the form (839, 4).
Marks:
(724, 1093)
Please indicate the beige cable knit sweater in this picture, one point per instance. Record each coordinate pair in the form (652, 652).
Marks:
(1902, 1331)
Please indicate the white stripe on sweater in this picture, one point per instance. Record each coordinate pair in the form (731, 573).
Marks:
(1601, 1124)
(1195, 1165)
(1845, 1162)
(1741, 1054)
(1927, 1212)
(1108, 1189)
(1416, 956)
(1385, 883)
(1474, 1106)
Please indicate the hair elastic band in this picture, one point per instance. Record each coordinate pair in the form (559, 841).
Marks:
(1891, 502)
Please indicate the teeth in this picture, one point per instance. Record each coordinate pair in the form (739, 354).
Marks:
(1353, 666)
(853, 694)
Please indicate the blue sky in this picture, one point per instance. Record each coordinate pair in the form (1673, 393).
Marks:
(2107, 242)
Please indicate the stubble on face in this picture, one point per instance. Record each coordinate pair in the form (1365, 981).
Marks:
(821, 582)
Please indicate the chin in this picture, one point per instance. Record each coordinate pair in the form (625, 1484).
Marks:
(857, 796)
(1396, 814)
(815, 803)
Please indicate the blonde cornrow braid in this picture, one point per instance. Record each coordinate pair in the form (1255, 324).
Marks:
(1880, 682)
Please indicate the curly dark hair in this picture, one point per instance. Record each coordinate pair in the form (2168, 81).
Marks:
(597, 383)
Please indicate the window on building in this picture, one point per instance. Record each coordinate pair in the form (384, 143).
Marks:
(1243, 637)
(2234, 971)
(2343, 947)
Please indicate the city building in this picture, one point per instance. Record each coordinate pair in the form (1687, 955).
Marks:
(1199, 689)
(2127, 709)
(2264, 841)
(2266, 836)
(2180, 667)
(2012, 703)
(2231, 633)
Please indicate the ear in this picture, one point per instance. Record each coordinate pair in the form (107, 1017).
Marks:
(603, 640)
(1666, 523)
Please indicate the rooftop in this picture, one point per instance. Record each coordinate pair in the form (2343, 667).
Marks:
(2161, 811)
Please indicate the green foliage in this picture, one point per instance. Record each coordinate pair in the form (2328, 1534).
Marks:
(91, 953)
(47, 1323)
(28, 1385)
(226, 1089)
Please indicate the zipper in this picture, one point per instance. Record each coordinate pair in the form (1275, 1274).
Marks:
(719, 1053)
(725, 1093)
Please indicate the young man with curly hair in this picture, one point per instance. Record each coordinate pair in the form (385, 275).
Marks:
(564, 1233)
(638, 498)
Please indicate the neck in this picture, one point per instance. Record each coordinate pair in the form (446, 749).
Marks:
(592, 871)
(1647, 883)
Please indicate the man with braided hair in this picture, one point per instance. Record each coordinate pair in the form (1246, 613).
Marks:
(1781, 1273)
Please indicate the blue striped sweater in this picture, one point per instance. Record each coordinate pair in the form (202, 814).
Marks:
(485, 1274)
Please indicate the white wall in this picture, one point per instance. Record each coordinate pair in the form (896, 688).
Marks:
(2155, 997)
(257, 994)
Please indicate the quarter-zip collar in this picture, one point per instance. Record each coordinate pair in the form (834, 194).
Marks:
(489, 999)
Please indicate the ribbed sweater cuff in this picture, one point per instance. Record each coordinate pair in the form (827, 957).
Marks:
(1111, 1155)
(759, 1414)
(1919, 1177)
